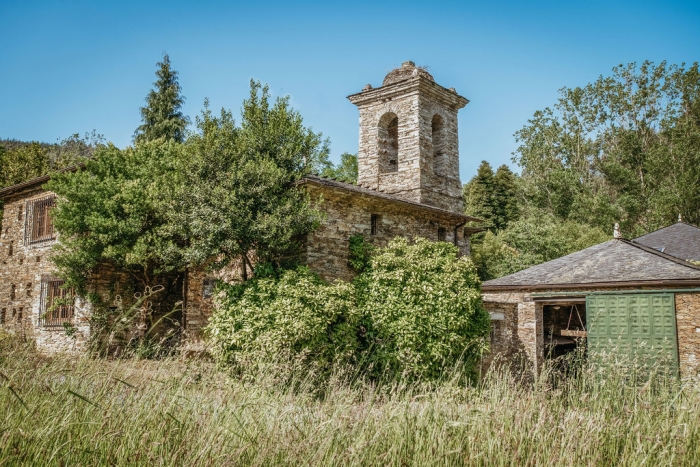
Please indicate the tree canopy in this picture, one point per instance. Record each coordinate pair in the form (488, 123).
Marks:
(625, 148)
(237, 194)
(492, 197)
(162, 117)
(228, 193)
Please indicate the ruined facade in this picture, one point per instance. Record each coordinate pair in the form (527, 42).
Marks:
(408, 186)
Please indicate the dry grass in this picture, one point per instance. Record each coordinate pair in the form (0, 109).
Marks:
(78, 411)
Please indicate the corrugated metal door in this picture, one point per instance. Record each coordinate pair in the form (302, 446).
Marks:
(639, 326)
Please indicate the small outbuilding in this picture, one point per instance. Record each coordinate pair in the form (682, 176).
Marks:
(634, 295)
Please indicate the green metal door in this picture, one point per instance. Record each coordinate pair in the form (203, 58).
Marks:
(636, 326)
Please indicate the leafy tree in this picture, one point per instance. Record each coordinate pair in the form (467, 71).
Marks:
(161, 116)
(345, 171)
(22, 163)
(422, 309)
(623, 148)
(535, 238)
(111, 214)
(237, 196)
(504, 198)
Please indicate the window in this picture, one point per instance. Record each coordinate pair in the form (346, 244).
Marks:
(9, 250)
(38, 227)
(438, 138)
(29, 289)
(19, 213)
(374, 224)
(13, 291)
(442, 234)
(3, 312)
(388, 143)
(56, 305)
(208, 288)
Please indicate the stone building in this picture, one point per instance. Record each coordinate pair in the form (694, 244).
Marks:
(408, 186)
(619, 295)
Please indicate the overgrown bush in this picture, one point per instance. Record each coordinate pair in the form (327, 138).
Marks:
(414, 312)
(294, 316)
(421, 305)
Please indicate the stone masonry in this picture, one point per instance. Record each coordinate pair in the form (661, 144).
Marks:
(521, 336)
(408, 138)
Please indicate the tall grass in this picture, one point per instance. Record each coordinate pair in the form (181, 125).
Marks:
(80, 411)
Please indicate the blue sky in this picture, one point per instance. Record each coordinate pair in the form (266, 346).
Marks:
(71, 66)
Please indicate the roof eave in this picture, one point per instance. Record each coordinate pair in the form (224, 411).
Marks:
(12, 189)
(318, 181)
(594, 285)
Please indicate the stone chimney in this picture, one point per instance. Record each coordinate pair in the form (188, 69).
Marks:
(616, 232)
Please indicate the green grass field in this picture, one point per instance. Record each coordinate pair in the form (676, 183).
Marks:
(80, 411)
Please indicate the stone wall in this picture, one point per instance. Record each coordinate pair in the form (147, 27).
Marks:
(688, 329)
(348, 213)
(428, 171)
(22, 267)
(525, 317)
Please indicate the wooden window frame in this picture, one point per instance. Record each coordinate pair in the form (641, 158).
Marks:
(374, 224)
(38, 226)
(50, 315)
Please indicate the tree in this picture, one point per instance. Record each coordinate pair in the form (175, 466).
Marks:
(112, 214)
(161, 116)
(237, 198)
(504, 198)
(623, 148)
(478, 195)
(346, 171)
(22, 163)
(535, 238)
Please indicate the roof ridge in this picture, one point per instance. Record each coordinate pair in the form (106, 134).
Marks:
(666, 227)
(660, 254)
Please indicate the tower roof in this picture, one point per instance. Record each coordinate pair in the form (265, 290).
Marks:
(407, 70)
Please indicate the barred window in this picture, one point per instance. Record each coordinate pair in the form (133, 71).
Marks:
(208, 286)
(38, 227)
(56, 305)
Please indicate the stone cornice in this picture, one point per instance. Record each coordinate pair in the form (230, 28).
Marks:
(418, 84)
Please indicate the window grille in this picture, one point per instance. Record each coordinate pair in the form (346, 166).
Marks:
(38, 227)
(442, 234)
(208, 288)
(56, 306)
(374, 224)
(2, 315)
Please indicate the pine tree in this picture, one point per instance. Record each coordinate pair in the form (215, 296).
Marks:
(161, 116)
(478, 195)
(504, 200)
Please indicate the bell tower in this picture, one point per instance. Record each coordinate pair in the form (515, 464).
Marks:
(408, 138)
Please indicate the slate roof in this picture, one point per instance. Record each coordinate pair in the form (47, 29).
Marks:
(332, 183)
(680, 240)
(606, 264)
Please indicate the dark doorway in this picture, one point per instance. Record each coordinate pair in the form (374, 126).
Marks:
(564, 328)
